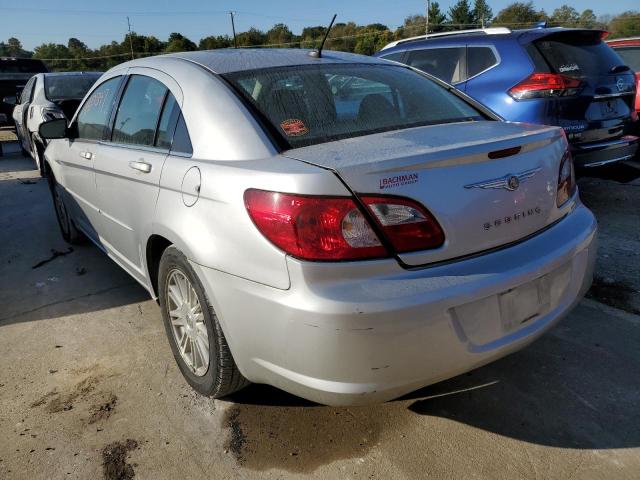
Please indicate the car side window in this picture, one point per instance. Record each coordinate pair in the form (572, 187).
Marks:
(479, 59)
(396, 56)
(444, 63)
(93, 118)
(181, 139)
(170, 112)
(139, 111)
(25, 95)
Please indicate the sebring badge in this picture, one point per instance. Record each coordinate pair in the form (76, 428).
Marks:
(509, 182)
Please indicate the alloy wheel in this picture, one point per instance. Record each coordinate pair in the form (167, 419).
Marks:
(187, 322)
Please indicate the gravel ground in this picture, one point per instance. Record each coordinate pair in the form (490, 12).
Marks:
(89, 389)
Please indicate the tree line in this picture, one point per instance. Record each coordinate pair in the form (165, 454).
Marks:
(350, 37)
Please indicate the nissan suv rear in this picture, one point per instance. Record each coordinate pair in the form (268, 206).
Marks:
(553, 76)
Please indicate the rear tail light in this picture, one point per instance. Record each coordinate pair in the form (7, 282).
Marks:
(334, 228)
(566, 179)
(541, 85)
(406, 224)
(313, 227)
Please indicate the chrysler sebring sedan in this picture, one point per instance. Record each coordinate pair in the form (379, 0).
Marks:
(344, 228)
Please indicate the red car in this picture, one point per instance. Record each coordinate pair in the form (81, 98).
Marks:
(629, 50)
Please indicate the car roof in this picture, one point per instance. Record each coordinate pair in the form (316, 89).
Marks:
(229, 60)
(489, 35)
(64, 74)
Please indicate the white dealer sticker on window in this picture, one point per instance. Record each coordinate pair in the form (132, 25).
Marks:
(398, 181)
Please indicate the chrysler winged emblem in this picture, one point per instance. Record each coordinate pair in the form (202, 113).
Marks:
(509, 182)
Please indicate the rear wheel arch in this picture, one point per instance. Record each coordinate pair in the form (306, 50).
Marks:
(156, 245)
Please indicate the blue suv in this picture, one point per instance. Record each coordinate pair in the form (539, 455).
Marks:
(553, 76)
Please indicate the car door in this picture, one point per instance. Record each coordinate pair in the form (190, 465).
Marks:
(21, 112)
(129, 164)
(89, 127)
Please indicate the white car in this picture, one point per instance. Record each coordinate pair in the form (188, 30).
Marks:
(47, 96)
(342, 227)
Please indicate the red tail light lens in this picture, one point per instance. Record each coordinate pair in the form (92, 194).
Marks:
(406, 224)
(541, 85)
(333, 228)
(566, 179)
(313, 227)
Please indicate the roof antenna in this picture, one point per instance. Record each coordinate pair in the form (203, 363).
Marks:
(318, 52)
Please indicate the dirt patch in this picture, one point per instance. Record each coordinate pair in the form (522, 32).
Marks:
(614, 293)
(59, 402)
(114, 460)
(103, 411)
(302, 439)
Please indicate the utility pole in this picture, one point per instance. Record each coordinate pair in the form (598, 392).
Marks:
(233, 27)
(130, 40)
(427, 17)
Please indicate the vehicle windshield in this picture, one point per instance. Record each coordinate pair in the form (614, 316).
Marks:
(68, 87)
(319, 103)
(21, 65)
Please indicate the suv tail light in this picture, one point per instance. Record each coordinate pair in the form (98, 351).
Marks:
(542, 85)
(333, 228)
(566, 179)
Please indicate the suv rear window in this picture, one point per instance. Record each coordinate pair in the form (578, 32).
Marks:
(21, 65)
(313, 104)
(577, 54)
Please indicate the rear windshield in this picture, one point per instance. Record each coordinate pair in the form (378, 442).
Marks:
(578, 54)
(320, 103)
(68, 87)
(21, 65)
(630, 56)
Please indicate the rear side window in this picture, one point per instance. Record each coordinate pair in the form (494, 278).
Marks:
(314, 104)
(172, 129)
(578, 54)
(630, 56)
(445, 63)
(479, 59)
(396, 57)
(94, 115)
(139, 111)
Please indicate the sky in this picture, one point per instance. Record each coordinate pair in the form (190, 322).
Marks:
(96, 23)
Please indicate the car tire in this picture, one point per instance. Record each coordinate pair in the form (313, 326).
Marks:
(67, 228)
(189, 319)
(38, 155)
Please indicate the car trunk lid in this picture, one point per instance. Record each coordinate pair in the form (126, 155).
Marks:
(460, 173)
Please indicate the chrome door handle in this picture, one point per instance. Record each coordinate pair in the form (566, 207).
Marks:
(86, 155)
(141, 166)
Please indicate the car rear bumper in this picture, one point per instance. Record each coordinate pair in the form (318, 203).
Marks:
(346, 334)
(603, 153)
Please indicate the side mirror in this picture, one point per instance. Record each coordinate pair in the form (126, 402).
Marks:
(10, 100)
(53, 129)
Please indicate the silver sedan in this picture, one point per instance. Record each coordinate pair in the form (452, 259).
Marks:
(344, 228)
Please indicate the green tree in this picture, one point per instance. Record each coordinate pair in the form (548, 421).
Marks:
(252, 37)
(626, 24)
(565, 16)
(211, 43)
(519, 15)
(279, 34)
(461, 15)
(482, 13)
(179, 43)
(588, 19)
